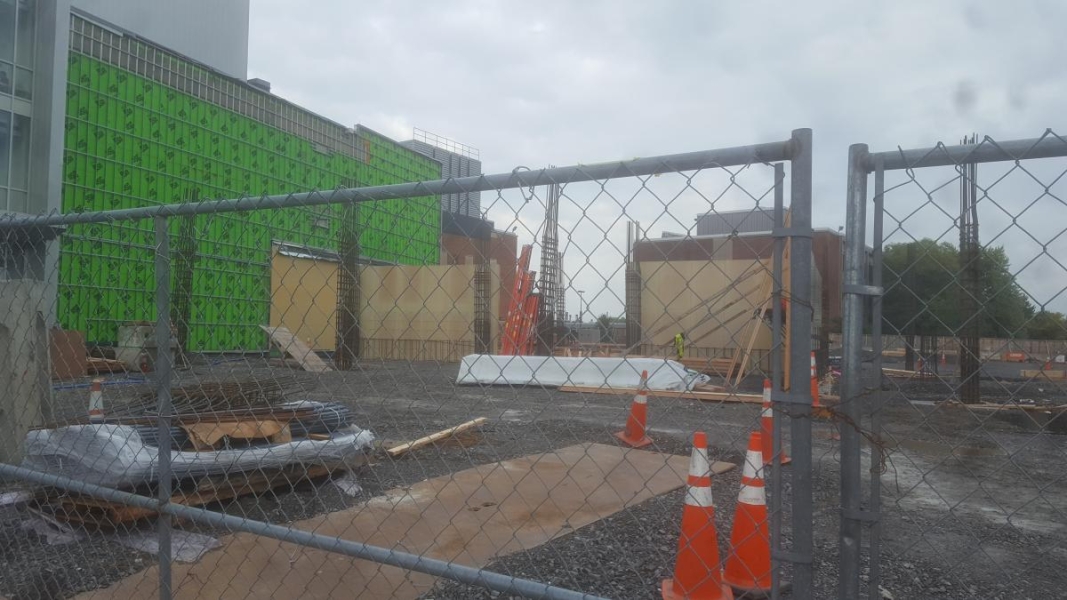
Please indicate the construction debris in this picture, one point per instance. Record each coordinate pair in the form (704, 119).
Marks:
(104, 366)
(116, 456)
(94, 513)
(402, 449)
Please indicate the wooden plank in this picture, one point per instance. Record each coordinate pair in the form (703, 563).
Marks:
(208, 434)
(284, 340)
(1028, 373)
(695, 395)
(764, 297)
(440, 435)
(87, 510)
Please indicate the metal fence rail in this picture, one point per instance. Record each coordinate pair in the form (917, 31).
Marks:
(496, 509)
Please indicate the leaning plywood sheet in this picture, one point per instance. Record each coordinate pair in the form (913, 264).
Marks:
(555, 371)
(284, 340)
(115, 455)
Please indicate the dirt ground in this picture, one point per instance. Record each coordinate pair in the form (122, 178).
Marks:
(974, 502)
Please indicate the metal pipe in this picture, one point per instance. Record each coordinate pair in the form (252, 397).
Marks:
(776, 380)
(852, 370)
(438, 568)
(162, 369)
(875, 503)
(690, 161)
(799, 323)
(1047, 146)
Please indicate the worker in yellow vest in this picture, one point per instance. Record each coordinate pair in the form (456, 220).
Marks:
(679, 344)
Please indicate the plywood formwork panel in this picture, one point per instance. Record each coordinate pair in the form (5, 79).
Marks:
(711, 302)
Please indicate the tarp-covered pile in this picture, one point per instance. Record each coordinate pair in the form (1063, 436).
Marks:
(116, 456)
(555, 371)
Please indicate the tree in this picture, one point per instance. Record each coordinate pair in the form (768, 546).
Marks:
(1047, 325)
(923, 292)
(604, 322)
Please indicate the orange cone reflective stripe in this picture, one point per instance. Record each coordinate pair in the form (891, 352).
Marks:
(634, 434)
(748, 564)
(697, 570)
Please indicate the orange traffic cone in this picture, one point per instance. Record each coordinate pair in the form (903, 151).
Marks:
(96, 401)
(748, 565)
(634, 434)
(767, 428)
(697, 570)
(814, 383)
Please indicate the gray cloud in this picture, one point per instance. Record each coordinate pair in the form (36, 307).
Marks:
(568, 82)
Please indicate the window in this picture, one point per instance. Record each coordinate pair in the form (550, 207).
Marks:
(7, 30)
(20, 151)
(23, 83)
(24, 33)
(5, 146)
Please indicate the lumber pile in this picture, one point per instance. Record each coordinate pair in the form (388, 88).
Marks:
(689, 395)
(1047, 374)
(98, 514)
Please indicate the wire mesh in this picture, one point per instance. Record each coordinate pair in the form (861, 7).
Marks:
(957, 366)
(236, 398)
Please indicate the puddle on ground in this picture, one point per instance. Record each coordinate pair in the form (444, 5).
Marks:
(936, 449)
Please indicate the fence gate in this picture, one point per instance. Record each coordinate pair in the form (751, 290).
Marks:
(963, 449)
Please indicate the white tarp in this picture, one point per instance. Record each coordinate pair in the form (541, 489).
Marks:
(554, 371)
(114, 455)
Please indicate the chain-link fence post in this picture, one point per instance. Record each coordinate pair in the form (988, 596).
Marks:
(776, 375)
(162, 366)
(852, 375)
(799, 397)
(874, 505)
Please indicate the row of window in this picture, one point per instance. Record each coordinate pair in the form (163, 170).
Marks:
(17, 26)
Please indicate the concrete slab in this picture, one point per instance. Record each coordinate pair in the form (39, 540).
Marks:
(469, 517)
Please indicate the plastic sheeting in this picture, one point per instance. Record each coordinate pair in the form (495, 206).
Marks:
(115, 455)
(554, 371)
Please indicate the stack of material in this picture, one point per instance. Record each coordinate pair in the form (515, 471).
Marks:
(116, 456)
(327, 418)
(303, 418)
(227, 440)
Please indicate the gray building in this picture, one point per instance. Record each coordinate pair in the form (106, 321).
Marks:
(457, 160)
(738, 221)
(213, 32)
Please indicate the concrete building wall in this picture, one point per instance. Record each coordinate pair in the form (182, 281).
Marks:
(214, 32)
(24, 370)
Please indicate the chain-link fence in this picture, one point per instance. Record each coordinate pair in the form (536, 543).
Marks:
(355, 393)
(960, 420)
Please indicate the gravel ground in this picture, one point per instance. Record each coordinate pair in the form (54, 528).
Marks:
(974, 502)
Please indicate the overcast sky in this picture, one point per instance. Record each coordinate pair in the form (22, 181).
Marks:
(538, 83)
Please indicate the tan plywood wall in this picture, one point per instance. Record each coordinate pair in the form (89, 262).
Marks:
(673, 295)
(406, 312)
(304, 299)
(434, 303)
